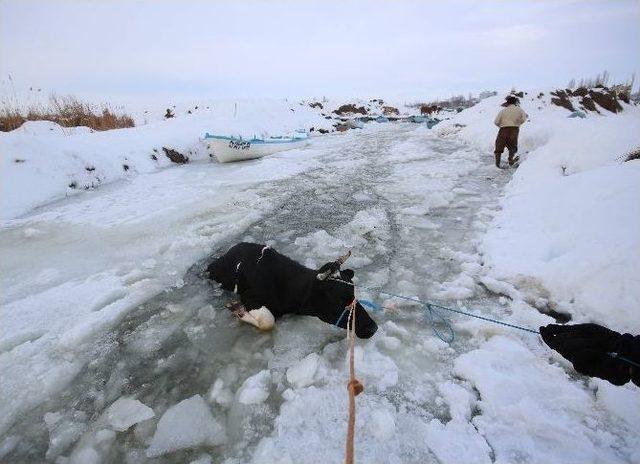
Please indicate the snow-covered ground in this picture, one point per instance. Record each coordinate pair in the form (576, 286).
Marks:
(115, 349)
(570, 224)
(63, 161)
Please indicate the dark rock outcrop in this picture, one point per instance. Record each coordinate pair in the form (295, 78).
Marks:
(580, 92)
(606, 99)
(560, 98)
(316, 105)
(633, 155)
(588, 104)
(388, 110)
(350, 109)
(175, 156)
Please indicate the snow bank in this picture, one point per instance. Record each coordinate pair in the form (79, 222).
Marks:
(514, 385)
(570, 219)
(61, 161)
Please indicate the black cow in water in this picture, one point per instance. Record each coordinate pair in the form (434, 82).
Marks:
(270, 285)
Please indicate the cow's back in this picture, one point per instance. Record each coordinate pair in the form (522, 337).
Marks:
(224, 269)
(261, 273)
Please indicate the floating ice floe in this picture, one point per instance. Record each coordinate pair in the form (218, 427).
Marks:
(126, 412)
(255, 389)
(301, 374)
(188, 424)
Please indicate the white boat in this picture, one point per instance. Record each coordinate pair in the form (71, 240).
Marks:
(227, 149)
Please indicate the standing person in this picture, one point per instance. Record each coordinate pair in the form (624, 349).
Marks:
(509, 120)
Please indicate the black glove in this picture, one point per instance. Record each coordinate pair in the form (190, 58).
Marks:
(587, 346)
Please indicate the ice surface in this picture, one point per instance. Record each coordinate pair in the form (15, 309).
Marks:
(364, 235)
(126, 412)
(220, 394)
(301, 374)
(255, 389)
(63, 431)
(383, 424)
(86, 456)
(203, 459)
(457, 442)
(188, 424)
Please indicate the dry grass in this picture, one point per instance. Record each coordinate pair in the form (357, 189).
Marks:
(67, 111)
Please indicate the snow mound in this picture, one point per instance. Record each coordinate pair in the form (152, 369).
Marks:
(188, 424)
(508, 406)
(125, 412)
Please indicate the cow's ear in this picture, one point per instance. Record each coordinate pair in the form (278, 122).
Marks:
(347, 274)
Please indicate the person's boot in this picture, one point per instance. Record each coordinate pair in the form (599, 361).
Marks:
(497, 160)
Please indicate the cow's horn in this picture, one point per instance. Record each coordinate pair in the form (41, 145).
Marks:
(343, 258)
(323, 275)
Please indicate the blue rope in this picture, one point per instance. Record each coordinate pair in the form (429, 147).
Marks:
(434, 315)
(346, 310)
(622, 358)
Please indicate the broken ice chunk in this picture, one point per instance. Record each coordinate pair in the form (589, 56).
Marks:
(301, 374)
(255, 389)
(188, 424)
(125, 412)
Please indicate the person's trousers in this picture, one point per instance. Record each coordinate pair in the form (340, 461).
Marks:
(507, 137)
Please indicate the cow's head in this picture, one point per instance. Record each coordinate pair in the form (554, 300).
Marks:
(333, 293)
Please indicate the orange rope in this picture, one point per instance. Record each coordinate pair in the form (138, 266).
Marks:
(354, 386)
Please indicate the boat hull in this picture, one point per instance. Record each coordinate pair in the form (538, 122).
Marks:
(230, 150)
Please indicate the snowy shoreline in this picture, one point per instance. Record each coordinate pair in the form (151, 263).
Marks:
(569, 229)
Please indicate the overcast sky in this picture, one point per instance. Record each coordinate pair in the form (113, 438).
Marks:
(307, 48)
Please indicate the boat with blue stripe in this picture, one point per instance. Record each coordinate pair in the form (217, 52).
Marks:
(229, 148)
